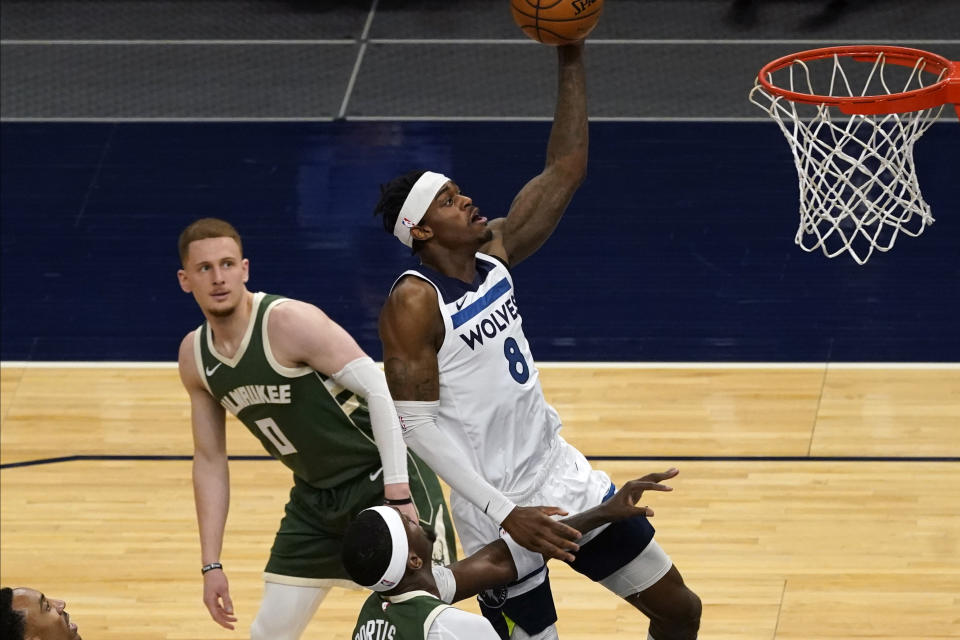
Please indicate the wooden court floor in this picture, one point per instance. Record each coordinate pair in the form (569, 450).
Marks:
(813, 501)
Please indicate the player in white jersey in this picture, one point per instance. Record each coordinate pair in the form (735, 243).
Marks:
(468, 392)
(483, 341)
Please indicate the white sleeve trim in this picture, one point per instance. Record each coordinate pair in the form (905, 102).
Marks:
(446, 583)
(198, 357)
(524, 560)
(286, 372)
(364, 378)
(444, 456)
(456, 624)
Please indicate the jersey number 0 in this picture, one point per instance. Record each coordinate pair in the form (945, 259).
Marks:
(270, 429)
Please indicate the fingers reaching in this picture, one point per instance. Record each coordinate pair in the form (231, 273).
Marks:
(658, 477)
(533, 528)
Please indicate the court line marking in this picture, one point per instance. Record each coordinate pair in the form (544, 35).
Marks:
(444, 41)
(243, 458)
(51, 364)
(783, 593)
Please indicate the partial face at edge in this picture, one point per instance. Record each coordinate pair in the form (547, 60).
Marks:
(216, 274)
(46, 618)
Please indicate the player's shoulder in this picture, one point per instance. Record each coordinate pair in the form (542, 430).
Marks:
(411, 308)
(187, 361)
(185, 353)
(288, 312)
(296, 328)
(412, 291)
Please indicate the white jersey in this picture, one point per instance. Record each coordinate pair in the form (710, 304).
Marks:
(491, 402)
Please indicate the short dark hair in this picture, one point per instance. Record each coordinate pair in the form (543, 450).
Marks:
(367, 548)
(392, 196)
(11, 622)
(206, 228)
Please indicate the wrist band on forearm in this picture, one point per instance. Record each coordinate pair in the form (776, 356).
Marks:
(398, 502)
(210, 567)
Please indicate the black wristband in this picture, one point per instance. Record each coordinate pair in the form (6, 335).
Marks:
(398, 502)
(210, 567)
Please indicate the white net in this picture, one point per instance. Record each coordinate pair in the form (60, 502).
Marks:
(858, 182)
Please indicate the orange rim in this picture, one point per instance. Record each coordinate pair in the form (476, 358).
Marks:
(946, 90)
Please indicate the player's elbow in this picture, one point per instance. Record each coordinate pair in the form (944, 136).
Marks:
(573, 171)
(208, 460)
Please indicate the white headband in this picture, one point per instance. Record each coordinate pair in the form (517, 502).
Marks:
(415, 206)
(400, 548)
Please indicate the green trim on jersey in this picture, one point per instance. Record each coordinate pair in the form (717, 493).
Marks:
(318, 429)
(407, 616)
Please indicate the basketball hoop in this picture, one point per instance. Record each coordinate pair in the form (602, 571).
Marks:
(852, 127)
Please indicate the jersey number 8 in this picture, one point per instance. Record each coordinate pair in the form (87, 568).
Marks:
(517, 364)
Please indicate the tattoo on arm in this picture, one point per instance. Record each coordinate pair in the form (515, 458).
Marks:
(407, 384)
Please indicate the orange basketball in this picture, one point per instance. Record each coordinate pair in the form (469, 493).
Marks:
(556, 21)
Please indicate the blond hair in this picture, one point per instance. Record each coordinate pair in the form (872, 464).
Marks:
(206, 228)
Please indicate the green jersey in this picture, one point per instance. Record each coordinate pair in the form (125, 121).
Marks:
(404, 617)
(318, 429)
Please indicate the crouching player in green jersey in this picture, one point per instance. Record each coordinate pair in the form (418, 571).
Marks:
(391, 554)
(317, 403)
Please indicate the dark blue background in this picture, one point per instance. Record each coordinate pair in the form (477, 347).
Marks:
(679, 246)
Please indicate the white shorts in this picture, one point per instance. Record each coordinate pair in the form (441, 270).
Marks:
(565, 480)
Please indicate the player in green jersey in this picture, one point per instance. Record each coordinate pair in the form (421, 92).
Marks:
(390, 553)
(317, 403)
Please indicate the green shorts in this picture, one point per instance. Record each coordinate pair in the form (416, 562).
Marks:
(306, 551)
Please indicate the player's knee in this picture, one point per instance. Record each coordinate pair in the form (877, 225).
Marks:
(679, 621)
(694, 610)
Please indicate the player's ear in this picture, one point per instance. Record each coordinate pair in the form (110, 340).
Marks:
(421, 232)
(184, 283)
(246, 270)
(414, 561)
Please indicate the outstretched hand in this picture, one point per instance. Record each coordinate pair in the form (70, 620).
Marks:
(533, 528)
(623, 504)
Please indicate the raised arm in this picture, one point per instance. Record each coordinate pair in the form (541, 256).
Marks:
(537, 209)
(301, 334)
(411, 329)
(211, 482)
(494, 564)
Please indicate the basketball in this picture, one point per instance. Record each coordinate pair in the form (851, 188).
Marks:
(556, 21)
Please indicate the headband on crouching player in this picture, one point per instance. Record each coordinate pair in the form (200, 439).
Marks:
(375, 549)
